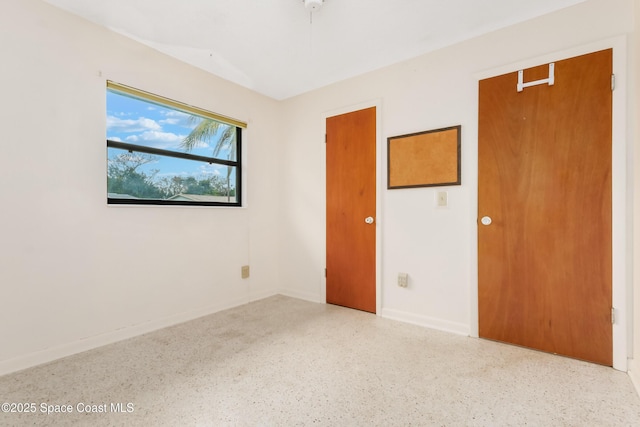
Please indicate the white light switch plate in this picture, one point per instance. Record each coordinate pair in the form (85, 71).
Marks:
(442, 199)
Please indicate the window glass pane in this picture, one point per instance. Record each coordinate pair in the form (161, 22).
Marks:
(155, 177)
(141, 122)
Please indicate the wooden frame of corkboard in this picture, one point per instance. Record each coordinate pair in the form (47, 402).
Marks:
(424, 159)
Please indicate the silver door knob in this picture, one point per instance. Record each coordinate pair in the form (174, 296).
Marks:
(369, 220)
(486, 220)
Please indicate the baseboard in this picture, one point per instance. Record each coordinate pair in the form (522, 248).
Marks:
(425, 321)
(58, 352)
(634, 374)
(302, 295)
(257, 296)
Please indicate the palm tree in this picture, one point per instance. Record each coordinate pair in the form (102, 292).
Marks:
(205, 131)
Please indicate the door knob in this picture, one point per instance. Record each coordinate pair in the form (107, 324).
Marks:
(369, 220)
(486, 220)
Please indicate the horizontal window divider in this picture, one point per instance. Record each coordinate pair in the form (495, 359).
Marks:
(168, 153)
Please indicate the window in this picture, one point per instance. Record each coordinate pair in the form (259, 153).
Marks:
(162, 152)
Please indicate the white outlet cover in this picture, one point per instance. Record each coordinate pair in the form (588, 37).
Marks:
(403, 280)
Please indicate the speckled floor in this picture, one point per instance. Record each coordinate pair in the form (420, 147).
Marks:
(286, 362)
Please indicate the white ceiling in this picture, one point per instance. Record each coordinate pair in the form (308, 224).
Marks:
(275, 48)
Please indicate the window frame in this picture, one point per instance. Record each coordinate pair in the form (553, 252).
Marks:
(189, 109)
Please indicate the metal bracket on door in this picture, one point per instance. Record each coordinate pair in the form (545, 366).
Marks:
(550, 80)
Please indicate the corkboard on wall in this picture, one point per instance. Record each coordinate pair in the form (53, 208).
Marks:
(424, 159)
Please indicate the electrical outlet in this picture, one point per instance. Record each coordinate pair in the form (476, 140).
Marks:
(403, 280)
(244, 271)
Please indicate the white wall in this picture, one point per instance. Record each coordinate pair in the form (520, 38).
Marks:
(74, 272)
(436, 247)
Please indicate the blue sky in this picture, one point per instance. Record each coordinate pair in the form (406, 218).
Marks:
(143, 123)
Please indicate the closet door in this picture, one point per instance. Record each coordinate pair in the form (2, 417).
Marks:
(544, 209)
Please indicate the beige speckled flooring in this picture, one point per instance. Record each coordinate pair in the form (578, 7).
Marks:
(286, 362)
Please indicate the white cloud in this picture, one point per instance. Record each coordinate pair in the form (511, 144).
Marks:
(210, 170)
(114, 138)
(201, 144)
(157, 139)
(177, 118)
(141, 124)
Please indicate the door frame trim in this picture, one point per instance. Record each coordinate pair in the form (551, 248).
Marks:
(622, 284)
(379, 184)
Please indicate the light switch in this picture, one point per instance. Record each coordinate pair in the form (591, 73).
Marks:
(442, 199)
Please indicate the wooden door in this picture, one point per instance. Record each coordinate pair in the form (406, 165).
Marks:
(545, 181)
(351, 199)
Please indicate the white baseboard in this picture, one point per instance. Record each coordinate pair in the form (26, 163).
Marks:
(257, 296)
(634, 374)
(425, 321)
(85, 344)
(302, 295)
